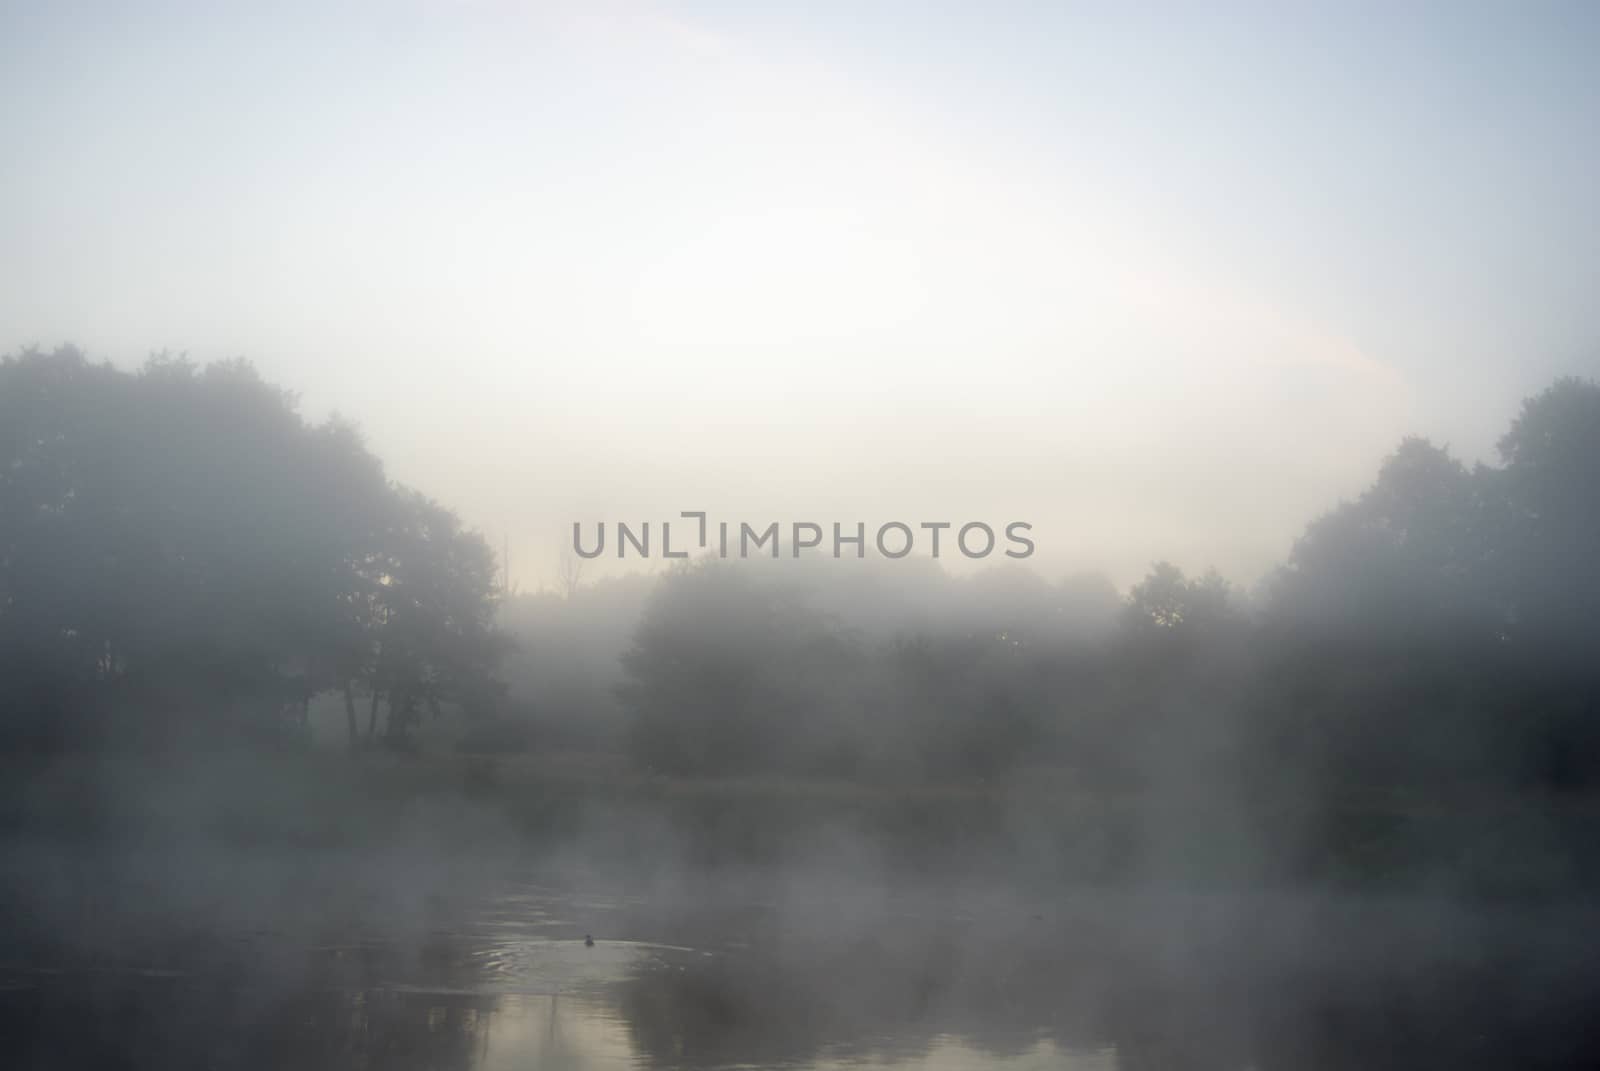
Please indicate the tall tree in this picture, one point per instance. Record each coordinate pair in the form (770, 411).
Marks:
(181, 542)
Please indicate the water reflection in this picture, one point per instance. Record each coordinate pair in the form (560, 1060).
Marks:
(504, 980)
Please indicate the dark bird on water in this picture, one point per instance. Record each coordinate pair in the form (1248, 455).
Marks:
(588, 941)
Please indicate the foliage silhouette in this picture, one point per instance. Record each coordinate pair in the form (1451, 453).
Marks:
(180, 551)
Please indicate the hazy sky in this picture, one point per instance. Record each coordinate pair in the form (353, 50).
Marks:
(1166, 284)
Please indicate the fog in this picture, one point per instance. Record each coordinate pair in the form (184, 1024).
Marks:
(454, 466)
(578, 262)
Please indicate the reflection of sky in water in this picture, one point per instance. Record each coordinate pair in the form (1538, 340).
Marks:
(583, 1033)
(498, 977)
(556, 1007)
(556, 1032)
(506, 981)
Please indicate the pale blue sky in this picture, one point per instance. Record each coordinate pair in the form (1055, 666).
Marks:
(1166, 283)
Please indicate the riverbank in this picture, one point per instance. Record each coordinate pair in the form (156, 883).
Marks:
(1036, 826)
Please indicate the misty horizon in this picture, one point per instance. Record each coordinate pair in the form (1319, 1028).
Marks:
(569, 263)
(1053, 555)
(677, 535)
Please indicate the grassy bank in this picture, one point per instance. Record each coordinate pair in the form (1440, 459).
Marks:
(1034, 825)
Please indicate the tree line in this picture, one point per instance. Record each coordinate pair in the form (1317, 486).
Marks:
(180, 551)
(1438, 630)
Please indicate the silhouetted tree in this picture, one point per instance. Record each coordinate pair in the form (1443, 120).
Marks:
(181, 544)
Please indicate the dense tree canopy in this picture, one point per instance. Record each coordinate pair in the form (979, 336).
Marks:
(1437, 630)
(179, 548)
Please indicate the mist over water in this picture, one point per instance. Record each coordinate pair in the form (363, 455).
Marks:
(1130, 599)
(428, 957)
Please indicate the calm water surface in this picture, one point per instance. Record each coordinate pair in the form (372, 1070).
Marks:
(153, 962)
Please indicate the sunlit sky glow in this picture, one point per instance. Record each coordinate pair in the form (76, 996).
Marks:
(1166, 284)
